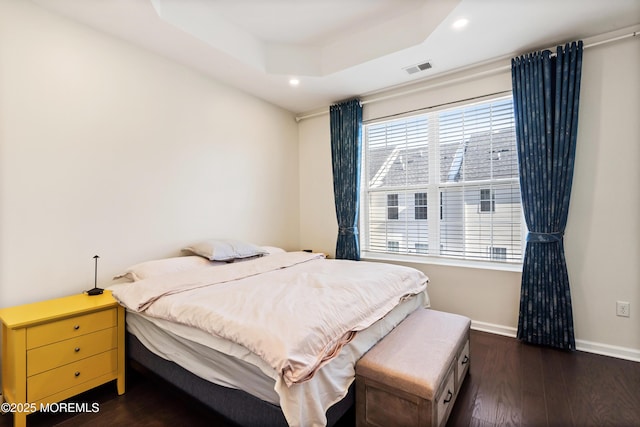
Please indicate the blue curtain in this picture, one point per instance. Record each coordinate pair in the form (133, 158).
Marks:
(346, 141)
(546, 93)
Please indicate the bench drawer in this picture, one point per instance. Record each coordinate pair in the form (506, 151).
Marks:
(463, 365)
(445, 401)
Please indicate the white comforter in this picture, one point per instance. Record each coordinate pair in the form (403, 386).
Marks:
(294, 310)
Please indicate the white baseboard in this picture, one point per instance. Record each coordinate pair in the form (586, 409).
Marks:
(608, 350)
(581, 345)
(507, 331)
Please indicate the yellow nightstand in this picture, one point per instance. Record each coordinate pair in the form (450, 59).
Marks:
(56, 349)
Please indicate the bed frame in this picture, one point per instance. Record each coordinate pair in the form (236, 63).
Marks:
(236, 405)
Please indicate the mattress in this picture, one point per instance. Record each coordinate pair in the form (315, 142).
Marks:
(231, 365)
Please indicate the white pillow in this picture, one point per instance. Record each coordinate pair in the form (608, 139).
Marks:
(158, 267)
(225, 249)
(273, 250)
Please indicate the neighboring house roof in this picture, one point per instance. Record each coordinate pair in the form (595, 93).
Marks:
(482, 156)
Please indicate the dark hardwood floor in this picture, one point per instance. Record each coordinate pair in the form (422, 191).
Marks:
(515, 384)
(510, 384)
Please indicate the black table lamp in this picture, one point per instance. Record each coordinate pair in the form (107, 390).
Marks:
(96, 290)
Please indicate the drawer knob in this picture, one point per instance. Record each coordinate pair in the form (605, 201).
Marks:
(77, 374)
(449, 397)
(465, 360)
(76, 327)
(77, 349)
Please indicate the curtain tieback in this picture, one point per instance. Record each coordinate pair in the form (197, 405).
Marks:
(348, 230)
(535, 237)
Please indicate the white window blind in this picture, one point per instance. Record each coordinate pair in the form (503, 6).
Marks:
(444, 184)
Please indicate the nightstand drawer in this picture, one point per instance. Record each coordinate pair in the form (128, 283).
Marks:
(67, 376)
(51, 356)
(72, 327)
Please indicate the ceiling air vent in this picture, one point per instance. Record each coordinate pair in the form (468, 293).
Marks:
(417, 68)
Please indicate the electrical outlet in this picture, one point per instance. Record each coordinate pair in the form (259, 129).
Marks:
(622, 308)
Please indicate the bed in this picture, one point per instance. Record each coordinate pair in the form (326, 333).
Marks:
(272, 340)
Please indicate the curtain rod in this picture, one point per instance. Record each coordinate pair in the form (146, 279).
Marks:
(444, 104)
(459, 79)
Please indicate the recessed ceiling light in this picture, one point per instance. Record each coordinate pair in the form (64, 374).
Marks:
(294, 82)
(460, 23)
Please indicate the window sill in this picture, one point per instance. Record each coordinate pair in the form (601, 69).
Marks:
(431, 260)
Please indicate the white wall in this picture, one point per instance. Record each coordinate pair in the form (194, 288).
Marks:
(602, 238)
(318, 223)
(603, 232)
(108, 149)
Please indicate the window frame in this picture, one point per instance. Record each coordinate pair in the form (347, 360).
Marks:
(434, 209)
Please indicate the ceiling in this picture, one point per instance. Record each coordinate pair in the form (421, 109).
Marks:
(341, 48)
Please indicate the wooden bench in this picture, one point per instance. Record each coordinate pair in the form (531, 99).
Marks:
(413, 375)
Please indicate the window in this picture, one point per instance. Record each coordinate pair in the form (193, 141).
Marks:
(420, 208)
(422, 248)
(393, 246)
(498, 254)
(462, 159)
(392, 206)
(487, 200)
